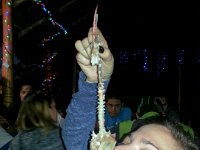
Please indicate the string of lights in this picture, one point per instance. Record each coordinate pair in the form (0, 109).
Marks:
(50, 18)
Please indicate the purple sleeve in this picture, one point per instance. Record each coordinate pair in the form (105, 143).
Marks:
(81, 115)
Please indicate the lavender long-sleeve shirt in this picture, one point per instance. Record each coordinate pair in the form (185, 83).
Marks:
(81, 115)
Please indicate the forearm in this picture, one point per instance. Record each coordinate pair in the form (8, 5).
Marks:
(81, 115)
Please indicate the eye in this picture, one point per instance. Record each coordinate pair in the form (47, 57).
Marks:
(121, 143)
(149, 147)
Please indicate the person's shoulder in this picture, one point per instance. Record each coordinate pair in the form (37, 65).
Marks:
(126, 122)
(126, 112)
(126, 109)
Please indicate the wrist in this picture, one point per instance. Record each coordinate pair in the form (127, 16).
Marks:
(91, 81)
(95, 81)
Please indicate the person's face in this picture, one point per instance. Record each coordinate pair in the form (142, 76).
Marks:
(149, 137)
(113, 106)
(24, 91)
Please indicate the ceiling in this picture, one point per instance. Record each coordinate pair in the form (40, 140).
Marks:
(129, 24)
(126, 25)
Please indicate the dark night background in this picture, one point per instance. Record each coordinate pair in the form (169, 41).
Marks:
(163, 29)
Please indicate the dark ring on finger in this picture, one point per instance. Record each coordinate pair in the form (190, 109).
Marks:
(101, 49)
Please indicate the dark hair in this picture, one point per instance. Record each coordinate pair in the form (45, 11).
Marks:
(176, 129)
(31, 82)
(113, 96)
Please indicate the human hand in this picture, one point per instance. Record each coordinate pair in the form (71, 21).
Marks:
(83, 57)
